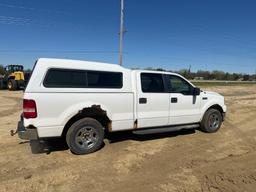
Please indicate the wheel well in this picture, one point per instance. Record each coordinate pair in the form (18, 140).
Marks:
(217, 107)
(11, 77)
(95, 112)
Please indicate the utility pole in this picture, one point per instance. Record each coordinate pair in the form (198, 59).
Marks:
(121, 32)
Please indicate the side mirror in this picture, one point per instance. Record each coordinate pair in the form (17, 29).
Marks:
(196, 91)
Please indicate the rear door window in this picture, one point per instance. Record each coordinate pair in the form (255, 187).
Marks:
(152, 83)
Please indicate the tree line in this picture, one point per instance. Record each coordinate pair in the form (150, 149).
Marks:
(199, 75)
(1, 69)
(211, 75)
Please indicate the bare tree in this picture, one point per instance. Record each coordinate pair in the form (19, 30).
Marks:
(2, 71)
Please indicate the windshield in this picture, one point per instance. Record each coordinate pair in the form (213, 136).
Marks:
(13, 68)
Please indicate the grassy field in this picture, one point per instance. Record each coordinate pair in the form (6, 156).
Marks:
(222, 83)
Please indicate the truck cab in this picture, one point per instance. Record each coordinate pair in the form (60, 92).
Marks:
(82, 100)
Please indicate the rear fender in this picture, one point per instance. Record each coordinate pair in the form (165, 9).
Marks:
(75, 109)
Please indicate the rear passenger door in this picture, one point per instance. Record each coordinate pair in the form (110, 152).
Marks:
(152, 100)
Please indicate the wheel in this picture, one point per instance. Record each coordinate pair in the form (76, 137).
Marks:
(212, 121)
(12, 85)
(2, 84)
(85, 136)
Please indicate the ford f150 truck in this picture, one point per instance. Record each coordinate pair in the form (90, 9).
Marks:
(82, 100)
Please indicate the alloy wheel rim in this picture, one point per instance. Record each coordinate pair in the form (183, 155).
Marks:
(86, 137)
(9, 85)
(214, 121)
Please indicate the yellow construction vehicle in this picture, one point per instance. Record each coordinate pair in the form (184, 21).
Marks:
(13, 79)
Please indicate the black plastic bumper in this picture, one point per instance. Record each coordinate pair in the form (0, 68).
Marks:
(26, 133)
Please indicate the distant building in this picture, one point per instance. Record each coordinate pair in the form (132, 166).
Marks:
(199, 78)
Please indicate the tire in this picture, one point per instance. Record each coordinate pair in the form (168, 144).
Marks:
(212, 121)
(12, 85)
(85, 136)
(2, 84)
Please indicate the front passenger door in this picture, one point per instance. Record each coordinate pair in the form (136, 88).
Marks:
(184, 106)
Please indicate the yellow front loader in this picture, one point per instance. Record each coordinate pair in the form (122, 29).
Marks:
(13, 79)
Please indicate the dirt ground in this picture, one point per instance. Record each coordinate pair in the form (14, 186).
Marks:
(180, 161)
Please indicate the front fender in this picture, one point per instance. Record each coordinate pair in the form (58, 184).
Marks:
(209, 105)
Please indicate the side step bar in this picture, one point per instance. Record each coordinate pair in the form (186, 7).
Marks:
(164, 129)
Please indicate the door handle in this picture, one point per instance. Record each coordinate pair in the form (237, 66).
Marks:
(142, 100)
(174, 100)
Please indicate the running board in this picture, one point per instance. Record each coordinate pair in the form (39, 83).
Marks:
(164, 129)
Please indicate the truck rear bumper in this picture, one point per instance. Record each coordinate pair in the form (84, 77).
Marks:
(26, 133)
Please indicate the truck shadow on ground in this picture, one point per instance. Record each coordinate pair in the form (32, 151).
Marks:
(48, 146)
(128, 135)
(53, 145)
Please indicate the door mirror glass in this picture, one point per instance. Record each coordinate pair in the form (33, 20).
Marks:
(196, 91)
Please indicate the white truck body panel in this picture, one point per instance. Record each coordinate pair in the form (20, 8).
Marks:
(187, 109)
(56, 106)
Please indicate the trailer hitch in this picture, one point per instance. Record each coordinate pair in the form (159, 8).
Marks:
(12, 132)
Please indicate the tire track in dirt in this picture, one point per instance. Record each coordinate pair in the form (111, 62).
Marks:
(224, 183)
(16, 107)
(171, 173)
(18, 171)
(250, 116)
(136, 154)
(246, 137)
(229, 174)
(236, 110)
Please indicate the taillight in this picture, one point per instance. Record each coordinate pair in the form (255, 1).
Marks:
(29, 109)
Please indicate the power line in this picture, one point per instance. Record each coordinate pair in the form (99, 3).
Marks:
(23, 21)
(14, 20)
(34, 9)
(59, 51)
(35, 22)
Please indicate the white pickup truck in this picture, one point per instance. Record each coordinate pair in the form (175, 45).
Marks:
(81, 100)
